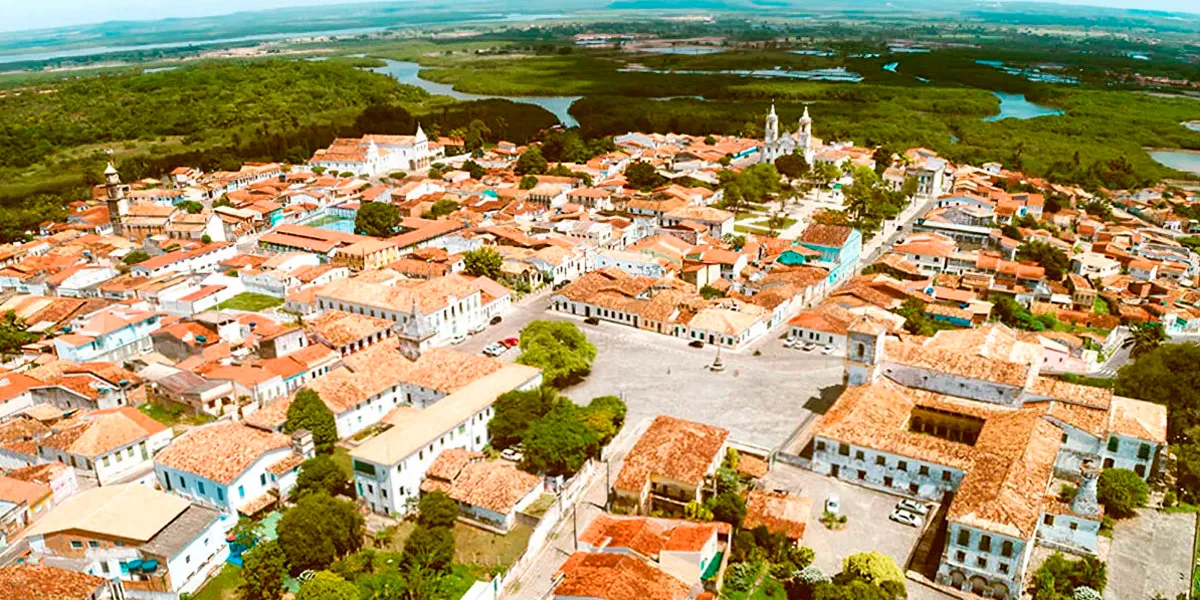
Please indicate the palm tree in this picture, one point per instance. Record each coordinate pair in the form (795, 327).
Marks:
(1146, 337)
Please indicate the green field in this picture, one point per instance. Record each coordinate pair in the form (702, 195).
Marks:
(250, 302)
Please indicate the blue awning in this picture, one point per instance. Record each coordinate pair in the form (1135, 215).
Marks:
(134, 564)
(149, 565)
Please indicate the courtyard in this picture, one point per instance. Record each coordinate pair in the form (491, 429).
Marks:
(1151, 556)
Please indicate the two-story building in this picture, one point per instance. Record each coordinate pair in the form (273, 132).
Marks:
(110, 334)
(669, 466)
(840, 248)
(109, 446)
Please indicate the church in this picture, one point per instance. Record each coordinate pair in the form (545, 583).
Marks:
(801, 142)
(374, 155)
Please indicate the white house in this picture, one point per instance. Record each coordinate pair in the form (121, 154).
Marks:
(109, 446)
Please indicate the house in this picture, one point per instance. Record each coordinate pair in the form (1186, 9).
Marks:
(780, 512)
(15, 392)
(669, 466)
(602, 576)
(109, 335)
(969, 412)
(718, 223)
(23, 581)
(840, 249)
(22, 502)
(1094, 266)
(349, 332)
(389, 467)
(148, 540)
(228, 465)
(302, 366)
(687, 550)
(489, 492)
(109, 446)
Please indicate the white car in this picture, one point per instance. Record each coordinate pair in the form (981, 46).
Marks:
(828, 349)
(494, 350)
(905, 518)
(458, 339)
(833, 504)
(788, 343)
(913, 507)
(809, 347)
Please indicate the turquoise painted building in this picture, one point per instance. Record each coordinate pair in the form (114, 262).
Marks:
(840, 249)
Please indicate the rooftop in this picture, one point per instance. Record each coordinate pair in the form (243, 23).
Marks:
(617, 577)
(220, 452)
(24, 581)
(127, 511)
(674, 449)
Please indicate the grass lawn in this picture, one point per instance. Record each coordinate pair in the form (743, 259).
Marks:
(1100, 307)
(251, 302)
(172, 414)
(474, 546)
(769, 589)
(751, 229)
(223, 586)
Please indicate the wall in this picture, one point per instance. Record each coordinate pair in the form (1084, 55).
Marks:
(896, 475)
(979, 564)
(189, 567)
(254, 482)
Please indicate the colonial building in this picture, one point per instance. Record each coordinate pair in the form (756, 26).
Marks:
(374, 155)
(966, 414)
(801, 142)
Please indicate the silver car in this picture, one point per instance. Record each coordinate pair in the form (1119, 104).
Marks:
(913, 507)
(905, 518)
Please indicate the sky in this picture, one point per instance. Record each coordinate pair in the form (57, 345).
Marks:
(40, 14)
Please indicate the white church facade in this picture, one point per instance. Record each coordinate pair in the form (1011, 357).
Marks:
(373, 155)
(801, 142)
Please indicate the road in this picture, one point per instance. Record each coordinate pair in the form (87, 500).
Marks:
(873, 249)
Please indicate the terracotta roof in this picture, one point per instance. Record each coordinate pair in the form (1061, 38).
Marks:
(494, 485)
(341, 328)
(220, 452)
(1138, 419)
(24, 581)
(649, 536)
(826, 235)
(674, 449)
(103, 431)
(617, 577)
(449, 463)
(18, 491)
(779, 512)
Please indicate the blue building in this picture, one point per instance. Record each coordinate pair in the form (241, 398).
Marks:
(840, 248)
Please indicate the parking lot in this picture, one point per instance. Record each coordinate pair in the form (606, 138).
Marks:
(1151, 556)
(868, 527)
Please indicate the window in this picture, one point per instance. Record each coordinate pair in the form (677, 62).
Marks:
(241, 492)
(862, 475)
(880, 460)
(820, 446)
(262, 479)
(1064, 441)
(902, 465)
(924, 470)
(985, 543)
(1006, 549)
(220, 494)
(1113, 444)
(104, 567)
(1144, 451)
(93, 544)
(1074, 526)
(200, 487)
(960, 556)
(945, 475)
(1140, 470)
(844, 450)
(858, 455)
(1004, 568)
(76, 544)
(981, 562)
(1048, 520)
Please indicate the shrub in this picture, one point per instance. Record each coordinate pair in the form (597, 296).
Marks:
(1122, 492)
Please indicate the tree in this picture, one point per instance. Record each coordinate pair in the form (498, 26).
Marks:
(1059, 577)
(308, 411)
(516, 410)
(206, 239)
(792, 166)
(429, 547)
(476, 170)
(605, 415)
(1146, 337)
(319, 529)
(709, 292)
(226, 202)
(263, 570)
(825, 173)
(434, 173)
(558, 348)
(190, 206)
(484, 262)
(378, 219)
(320, 474)
(1053, 260)
(13, 334)
(442, 208)
(728, 507)
(528, 182)
(436, 509)
(531, 162)
(915, 320)
(559, 443)
(1122, 492)
(135, 257)
(327, 586)
(755, 184)
(643, 176)
(1012, 313)
(872, 568)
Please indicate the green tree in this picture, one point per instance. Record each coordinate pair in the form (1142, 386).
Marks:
(873, 568)
(1122, 492)
(1052, 259)
(729, 507)
(1012, 313)
(605, 415)
(319, 529)
(434, 173)
(560, 442)
(320, 475)
(1168, 375)
(190, 206)
(476, 170)
(516, 410)
(916, 321)
(528, 182)
(1058, 577)
(436, 509)
(531, 162)
(709, 292)
(643, 176)
(135, 257)
(13, 334)
(792, 166)
(429, 547)
(484, 262)
(378, 219)
(442, 208)
(1146, 337)
(224, 201)
(824, 173)
(263, 570)
(327, 586)
(308, 411)
(558, 348)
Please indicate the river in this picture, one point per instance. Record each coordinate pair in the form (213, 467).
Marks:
(95, 50)
(409, 73)
(1015, 106)
(1182, 160)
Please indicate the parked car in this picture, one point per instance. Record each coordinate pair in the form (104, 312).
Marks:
(905, 518)
(458, 339)
(833, 504)
(912, 506)
(496, 320)
(514, 454)
(696, 344)
(828, 349)
(495, 349)
(509, 342)
(592, 320)
(791, 343)
(809, 347)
